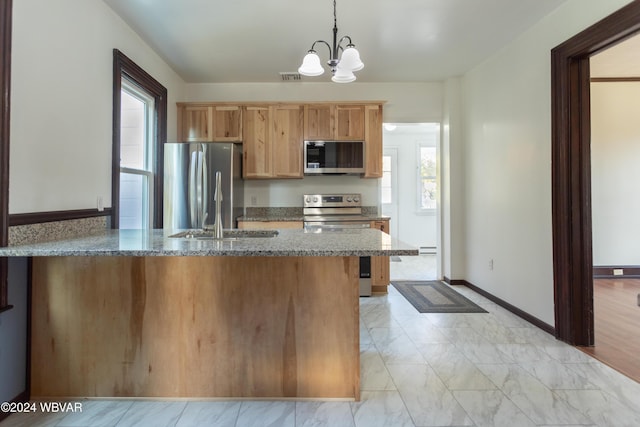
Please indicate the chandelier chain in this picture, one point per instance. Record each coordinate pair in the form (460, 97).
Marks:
(335, 19)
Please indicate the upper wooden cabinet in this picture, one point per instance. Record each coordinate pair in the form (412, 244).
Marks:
(195, 123)
(273, 133)
(209, 122)
(342, 122)
(256, 124)
(227, 123)
(319, 122)
(350, 122)
(373, 138)
(273, 141)
(287, 141)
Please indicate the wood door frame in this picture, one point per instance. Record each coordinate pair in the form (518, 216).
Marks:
(6, 15)
(571, 171)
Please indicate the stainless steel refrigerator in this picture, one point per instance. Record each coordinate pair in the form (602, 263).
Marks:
(189, 184)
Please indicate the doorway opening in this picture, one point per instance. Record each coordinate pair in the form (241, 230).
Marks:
(409, 193)
(615, 131)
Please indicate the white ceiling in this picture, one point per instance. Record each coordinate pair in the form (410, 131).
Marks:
(399, 41)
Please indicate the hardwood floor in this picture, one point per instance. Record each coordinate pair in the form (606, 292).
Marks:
(617, 325)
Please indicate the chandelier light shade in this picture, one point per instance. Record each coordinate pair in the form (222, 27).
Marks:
(342, 66)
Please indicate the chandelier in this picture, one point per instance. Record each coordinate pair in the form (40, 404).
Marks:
(342, 67)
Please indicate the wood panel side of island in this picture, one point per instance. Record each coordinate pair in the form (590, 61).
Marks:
(195, 327)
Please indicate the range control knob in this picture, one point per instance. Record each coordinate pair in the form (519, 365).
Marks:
(307, 199)
(315, 199)
(356, 199)
(349, 199)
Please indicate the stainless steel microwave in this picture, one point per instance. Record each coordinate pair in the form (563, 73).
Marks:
(333, 157)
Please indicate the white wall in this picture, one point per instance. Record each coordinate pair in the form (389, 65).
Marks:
(507, 149)
(61, 101)
(615, 176)
(405, 103)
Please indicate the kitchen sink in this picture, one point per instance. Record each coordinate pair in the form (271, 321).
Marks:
(231, 234)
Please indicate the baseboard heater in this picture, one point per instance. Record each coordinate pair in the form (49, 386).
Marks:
(424, 250)
(616, 271)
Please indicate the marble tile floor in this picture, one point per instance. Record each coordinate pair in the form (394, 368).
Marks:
(484, 369)
(421, 267)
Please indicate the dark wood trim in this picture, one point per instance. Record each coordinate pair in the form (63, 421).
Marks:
(27, 392)
(125, 67)
(22, 397)
(606, 271)
(614, 79)
(53, 216)
(6, 16)
(571, 170)
(502, 303)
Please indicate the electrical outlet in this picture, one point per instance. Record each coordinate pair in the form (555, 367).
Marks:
(254, 201)
(618, 272)
(100, 204)
(491, 264)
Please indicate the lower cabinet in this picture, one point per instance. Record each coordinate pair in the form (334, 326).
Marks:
(380, 275)
(269, 225)
(379, 264)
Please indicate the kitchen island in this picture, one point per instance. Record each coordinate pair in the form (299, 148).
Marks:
(132, 313)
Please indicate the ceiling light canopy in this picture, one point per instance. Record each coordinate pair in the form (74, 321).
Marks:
(342, 67)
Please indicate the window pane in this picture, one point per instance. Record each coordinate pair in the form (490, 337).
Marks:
(428, 161)
(132, 132)
(428, 188)
(386, 195)
(386, 163)
(133, 201)
(428, 184)
(386, 181)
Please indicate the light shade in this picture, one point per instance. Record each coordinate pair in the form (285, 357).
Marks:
(350, 59)
(311, 65)
(343, 75)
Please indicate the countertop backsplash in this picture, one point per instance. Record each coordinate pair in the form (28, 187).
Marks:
(48, 231)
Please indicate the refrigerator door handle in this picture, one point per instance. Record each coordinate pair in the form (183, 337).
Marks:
(200, 201)
(193, 190)
(204, 186)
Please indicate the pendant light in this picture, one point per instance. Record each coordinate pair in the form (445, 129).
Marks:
(342, 67)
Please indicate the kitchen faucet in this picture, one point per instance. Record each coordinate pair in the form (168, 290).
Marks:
(217, 197)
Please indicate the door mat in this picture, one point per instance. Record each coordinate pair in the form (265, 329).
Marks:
(435, 297)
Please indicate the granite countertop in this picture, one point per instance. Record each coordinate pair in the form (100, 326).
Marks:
(346, 242)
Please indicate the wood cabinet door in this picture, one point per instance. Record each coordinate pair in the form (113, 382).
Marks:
(287, 141)
(349, 122)
(256, 123)
(196, 124)
(319, 122)
(380, 268)
(373, 141)
(382, 225)
(227, 123)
